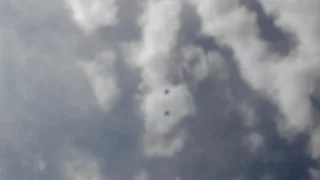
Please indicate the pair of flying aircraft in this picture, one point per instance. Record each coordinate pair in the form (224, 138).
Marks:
(166, 113)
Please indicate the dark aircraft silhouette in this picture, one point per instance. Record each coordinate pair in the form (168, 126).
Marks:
(166, 113)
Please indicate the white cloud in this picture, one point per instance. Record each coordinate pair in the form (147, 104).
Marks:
(100, 73)
(157, 56)
(42, 88)
(160, 25)
(267, 177)
(158, 146)
(35, 162)
(286, 81)
(142, 175)
(41, 165)
(34, 83)
(197, 65)
(300, 18)
(314, 147)
(93, 14)
(254, 141)
(180, 105)
(314, 174)
(249, 114)
(41, 82)
(179, 102)
(78, 165)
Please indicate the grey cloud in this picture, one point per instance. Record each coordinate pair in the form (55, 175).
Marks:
(53, 126)
(127, 28)
(91, 15)
(280, 41)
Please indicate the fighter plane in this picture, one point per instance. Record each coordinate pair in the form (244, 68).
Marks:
(167, 113)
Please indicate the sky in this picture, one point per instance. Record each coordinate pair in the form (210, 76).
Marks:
(85, 87)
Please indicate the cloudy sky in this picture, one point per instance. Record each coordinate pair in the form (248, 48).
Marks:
(83, 90)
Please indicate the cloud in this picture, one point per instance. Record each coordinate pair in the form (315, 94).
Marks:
(158, 41)
(198, 65)
(68, 99)
(315, 174)
(254, 141)
(142, 175)
(80, 166)
(100, 74)
(164, 64)
(180, 105)
(286, 81)
(248, 113)
(155, 58)
(91, 15)
(267, 177)
(302, 64)
(46, 97)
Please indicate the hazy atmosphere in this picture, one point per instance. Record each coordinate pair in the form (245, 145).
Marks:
(159, 90)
